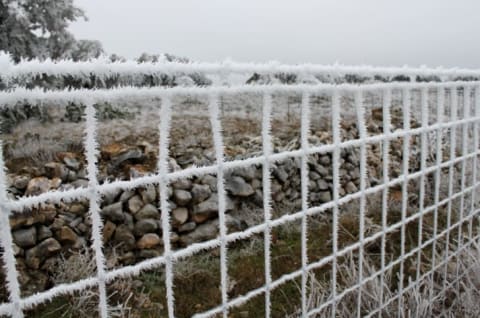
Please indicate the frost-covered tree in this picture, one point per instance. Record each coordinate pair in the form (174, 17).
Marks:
(39, 28)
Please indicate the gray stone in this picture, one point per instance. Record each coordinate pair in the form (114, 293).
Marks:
(125, 237)
(280, 174)
(114, 212)
(247, 173)
(181, 197)
(312, 175)
(149, 194)
(179, 216)
(208, 231)
(110, 197)
(187, 227)
(238, 187)
(80, 183)
(211, 181)
(209, 208)
(147, 212)
(322, 185)
(200, 192)
(325, 160)
(37, 254)
(56, 170)
(182, 184)
(145, 226)
(25, 237)
(43, 232)
(71, 163)
(21, 182)
(126, 195)
(350, 187)
(322, 197)
(135, 203)
(321, 170)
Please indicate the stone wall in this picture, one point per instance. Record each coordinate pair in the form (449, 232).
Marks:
(132, 225)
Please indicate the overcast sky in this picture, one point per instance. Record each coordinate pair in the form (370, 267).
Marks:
(378, 32)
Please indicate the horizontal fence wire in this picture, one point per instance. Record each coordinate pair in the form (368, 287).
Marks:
(468, 214)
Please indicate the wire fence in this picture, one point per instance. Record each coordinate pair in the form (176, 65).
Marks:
(446, 107)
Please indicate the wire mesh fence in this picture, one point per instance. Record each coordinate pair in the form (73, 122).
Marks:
(435, 185)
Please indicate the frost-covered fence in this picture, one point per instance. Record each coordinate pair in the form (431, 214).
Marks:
(445, 107)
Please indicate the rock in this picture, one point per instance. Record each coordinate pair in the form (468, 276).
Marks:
(37, 254)
(77, 209)
(80, 183)
(350, 187)
(321, 170)
(325, 160)
(37, 186)
(322, 197)
(238, 187)
(312, 175)
(209, 208)
(187, 227)
(149, 253)
(247, 173)
(149, 194)
(116, 154)
(280, 174)
(124, 236)
(114, 212)
(134, 171)
(145, 226)
(27, 219)
(208, 231)
(17, 251)
(135, 203)
(200, 192)
(211, 181)
(21, 182)
(147, 212)
(110, 197)
(108, 230)
(55, 183)
(181, 197)
(67, 235)
(25, 237)
(43, 232)
(56, 170)
(179, 216)
(148, 240)
(126, 195)
(322, 185)
(182, 184)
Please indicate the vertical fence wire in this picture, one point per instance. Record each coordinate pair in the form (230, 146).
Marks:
(438, 179)
(162, 167)
(405, 166)
(476, 146)
(305, 131)
(267, 193)
(362, 133)
(6, 242)
(336, 187)
(219, 153)
(91, 154)
(453, 138)
(386, 104)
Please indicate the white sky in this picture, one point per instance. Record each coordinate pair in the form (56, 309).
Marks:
(378, 32)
